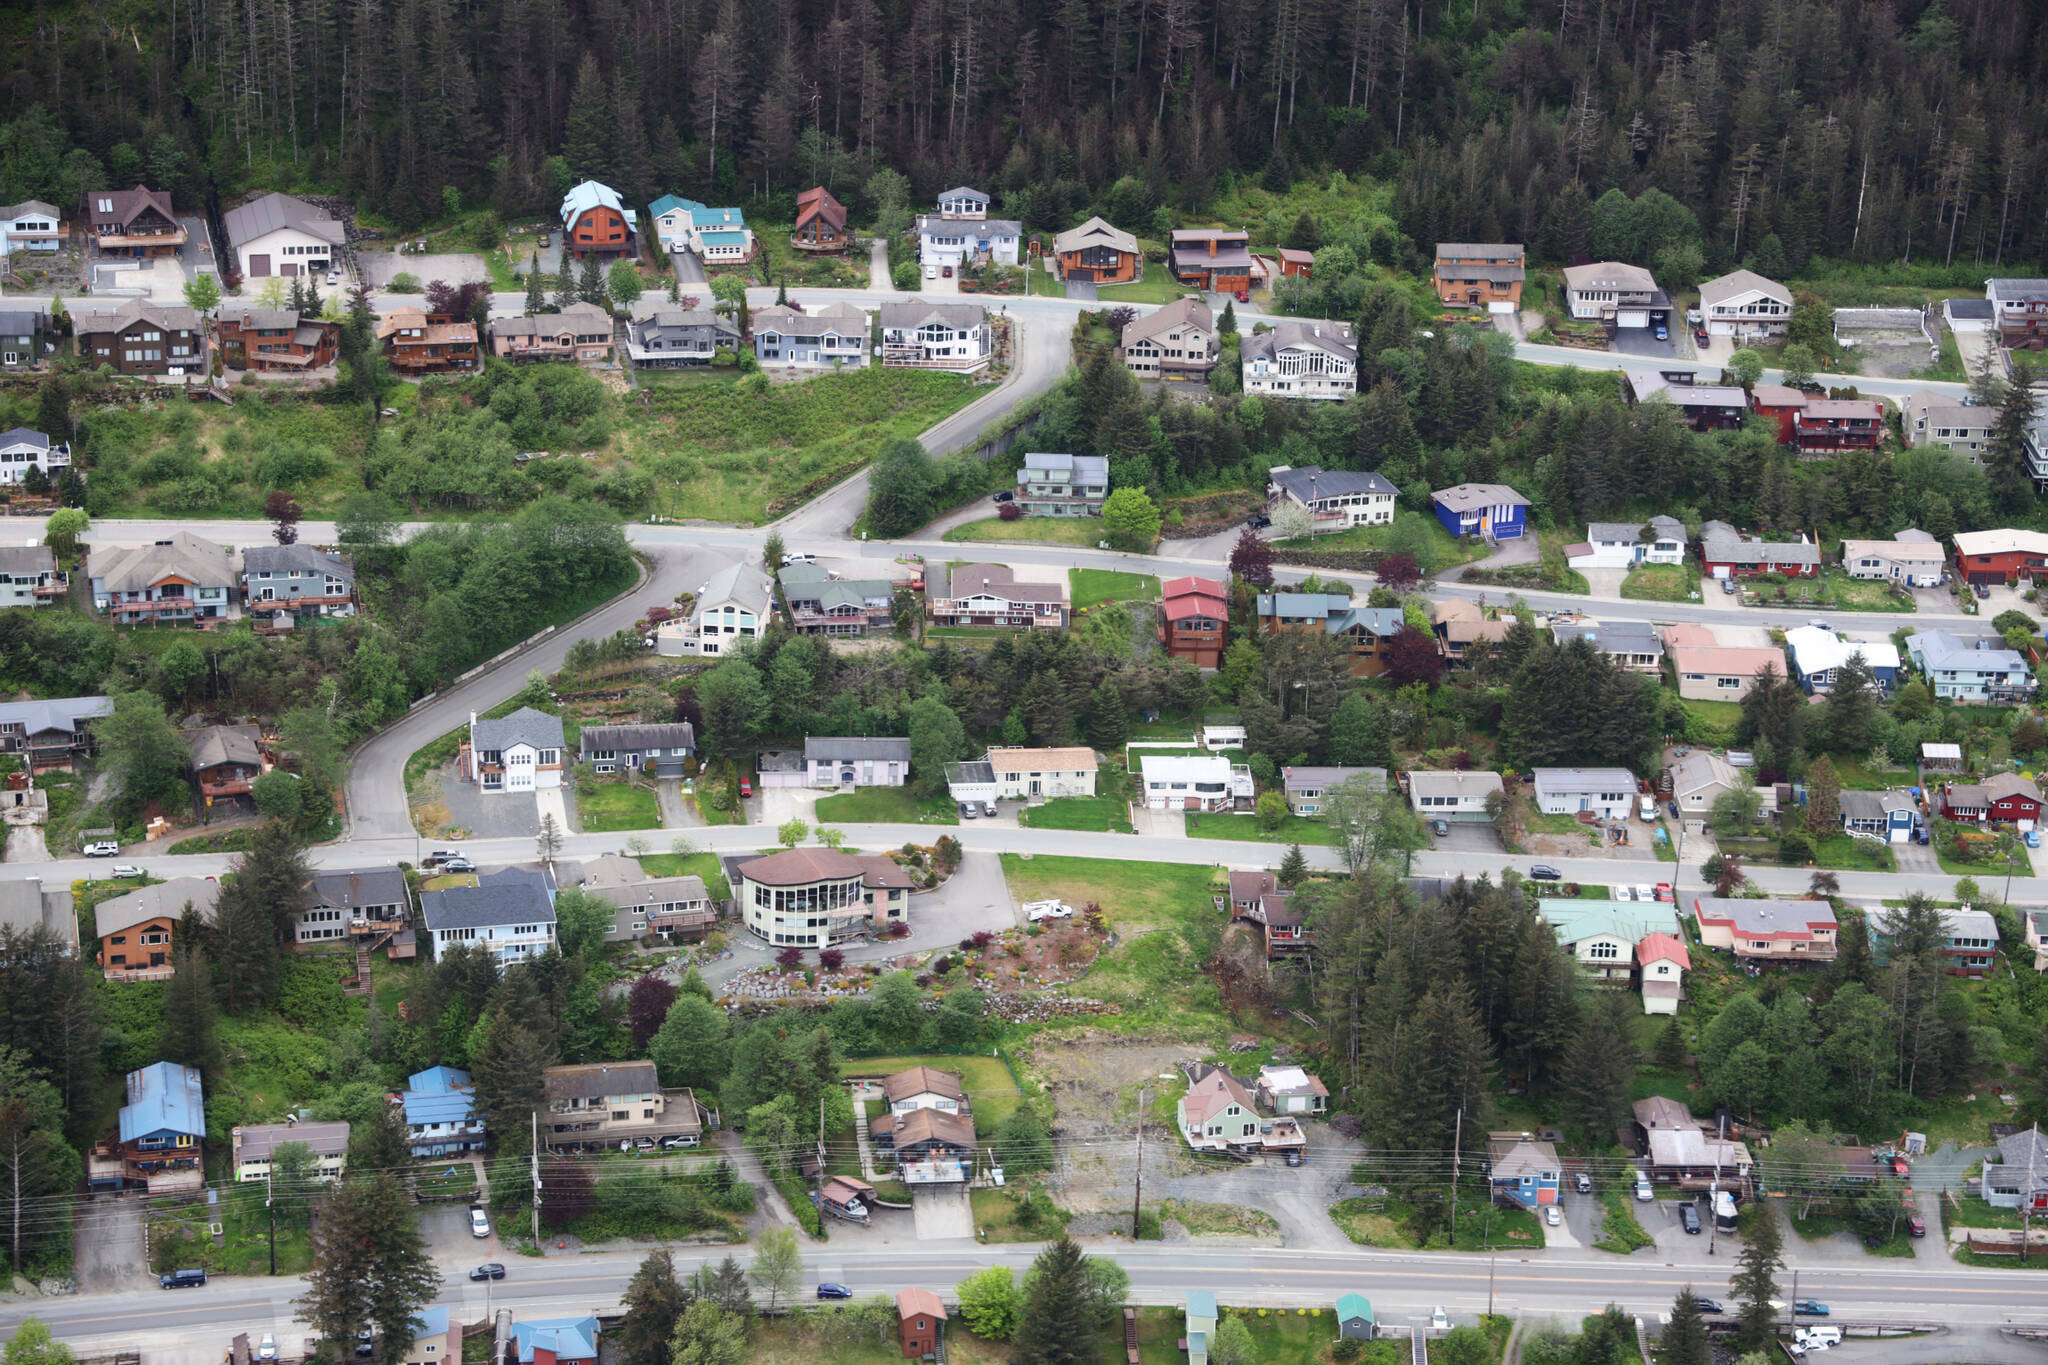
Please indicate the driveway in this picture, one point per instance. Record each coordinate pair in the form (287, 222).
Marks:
(502, 815)
(1643, 341)
(1082, 289)
(1476, 837)
(446, 1228)
(878, 267)
(1916, 858)
(777, 806)
(1523, 549)
(1981, 1345)
(689, 270)
(1298, 1197)
(198, 254)
(942, 1213)
(107, 1245)
(1605, 583)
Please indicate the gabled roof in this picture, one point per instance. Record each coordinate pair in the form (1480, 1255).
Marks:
(652, 735)
(668, 203)
(1613, 275)
(62, 713)
(296, 558)
(1305, 776)
(1485, 251)
(664, 320)
(169, 317)
(129, 568)
(817, 202)
(922, 1080)
(914, 313)
(164, 1097)
(265, 215)
(165, 899)
(1513, 1158)
(1045, 464)
(512, 896)
(1337, 338)
(593, 195)
(1182, 312)
(214, 745)
(1573, 781)
(1356, 1307)
(526, 726)
(348, 888)
(1667, 528)
(961, 192)
(1905, 551)
(967, 580)
(2003, 785)
(1057, 760)
(1739, 282)
(1725, 546)
(1214, 1091)
(1312, 481)
(918, 1303)
(124, 206)
(555, 324)
(568, 1338)
(1192, 586)
(844, 318)
(1450, 782)
(1095, 232)
(706, 218)
(261, 319)
(1662, 947)
(1937, 650)
(844, 749)
(1700, 769)
(257, 1141)
(741, 584)
(934, 1125)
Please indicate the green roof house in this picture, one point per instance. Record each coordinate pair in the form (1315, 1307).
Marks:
(1354, 1317)
(1201, 1325)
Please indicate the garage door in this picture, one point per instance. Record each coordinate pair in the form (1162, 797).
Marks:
(1632, 317)
(259, 264)
(290, 268)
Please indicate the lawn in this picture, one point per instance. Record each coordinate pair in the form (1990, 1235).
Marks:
(703, 865)
(1220, 1220)
(607, 804)
(886, 806)
(782, 264)
(1293, 830)
(801, 1338)
(1857, 774)
(1132, 895)
(1722, 713)
(1662, 583)
(1093, 587)
(1481, 1226)
(990, 1088)
(1436, 548)
(997, 1214)
(1986, 868)
(1833, 590)
(1838, 852)
(1158, 286)
(1052, 530)
(452, 1182)
(1103, 814)
(1817, 1225)
(227, 841)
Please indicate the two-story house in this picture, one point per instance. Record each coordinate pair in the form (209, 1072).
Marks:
(1625, 544)
(669, 338)
(820, 602)
(924, 1087)
(49, 734)
(275, 340)
(142, 338)
(1215, 260)
(135, 930)
(300, 579)
(1053, 485)
(936, 336)
(31, 225)
(1336, 499)
(1744, 305)
(521, 752)
(665, 745)
(1524, 1170)
(26, 337)
(1622, 296)
(1828, 426)
(582, 332)
(2001, 556)
(1969, 939)
(670, 219)
(225, 760)
(596, 222)
(1982, 669)
(932, 1147)
(417, 342)
(1316, 360)
(1194, 620)
(335, 901)
(275, 234)
(1491, 511)
(719, 236)
(1803, 931)
(179, 578)
(962, 233)
(1448, 794)
(844, 761)
(816, 897)
(732, 609)
(556, 1341)
(160, 1134)
(1486, 276)
(644, 906)
(434, 1340)
(1460, 625)
(1703, 407)
(993, 595)
(1916, 563)
(254, 1145)
(440, 1113)
(595, 1106)
(1781, 404)
(1724, 553)
(1889, 817)
(29, 577)
(1816, 657)
(1306, 787)
(1096, 252)
(1933, 419)
(1177, 342)
(2019, 310)
(1023, 775)
(22, 450)
(1661, 964)
(1218, 1114)
(508, 914)
(1203, 782)
(820, 222)
(1608, 793)
(829, 337)
(137, 223)
(1365, 630)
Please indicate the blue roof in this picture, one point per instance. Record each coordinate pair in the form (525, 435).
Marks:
(430, 1322)
(1352, 1307)
(702, 217)
(1201, 1304)
(669, 202)
(439, 1080)
(723, 238)
(439, 1095)
(164, 1098)
(568, 1338)
(590, 195)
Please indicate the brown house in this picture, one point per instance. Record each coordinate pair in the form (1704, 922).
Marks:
(820, 222)
(1302, 263)
(1194, 618)
(136, 222)
(1096, 251)
(596, 222)
(276, 339)
(1212, 258)
(582, 331)
(225, 760)
(143, 338)
(1478, 275)
(135, 930)
(421, 343)
(919, 1316)
(991, 595)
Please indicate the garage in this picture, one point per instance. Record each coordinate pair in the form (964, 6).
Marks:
(259, 264)
(1632, 317)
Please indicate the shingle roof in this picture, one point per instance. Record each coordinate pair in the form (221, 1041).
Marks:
(257, 1141)
(961, 192)
(922, 1080)
(1312, 480)
(1609, 275)
(1095, 232)
(919, 1303)
(1303, 777)
(1447, 782)
(295, 559)
(1939, 650)
(741, 584)
(1700, 769)
(1183, 311)
(129, 568)
(653, 735)
(969, 579)
(163, 1097)
(1212, 1092)
(1667, 528)
(349, 888)
(1058, 760)
(1337, 338)
(62, 713)
(914, 313)
(595, 1080)
(1573, 781)
(169, 317)
(146, 903)
(837, 749)
(783, 319)
(1470, 497)
(524, 726)
(933, 1125)
(124, 206)
(217, 744)
(267, 214)
(27, 560)
(798, 866)
(1742, 282)
(1491, 251)
(1721, 545)
(512, 896)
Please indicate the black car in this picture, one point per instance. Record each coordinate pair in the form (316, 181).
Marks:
(1689, 1219)
(1440, 828)
(1544, 872)
(1005, 496)
(1709, 1305)
(492, 1271)
(1258, 521)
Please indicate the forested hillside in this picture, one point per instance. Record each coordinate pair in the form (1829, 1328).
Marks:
(1858, 129)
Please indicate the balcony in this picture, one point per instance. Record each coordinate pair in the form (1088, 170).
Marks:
(123, 974)
(211, 788)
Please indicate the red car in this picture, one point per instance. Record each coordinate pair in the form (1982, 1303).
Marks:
(1899, 1167)
(1665, 893)
(1917, 1226)
(746, 787)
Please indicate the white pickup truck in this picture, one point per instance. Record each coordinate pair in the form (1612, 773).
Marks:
(1038, 911)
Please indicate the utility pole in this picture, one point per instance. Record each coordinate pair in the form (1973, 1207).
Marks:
(534, 1158)
(270, 1207)
(1457, 1150)
(2027, 1201)
(1138, 1190)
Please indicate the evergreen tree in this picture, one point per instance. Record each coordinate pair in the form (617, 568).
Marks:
(1823, 797)
(1755, 1283)
(245, 943)
(1108, 723)
(1851, 706)
(536, 296)
(379, 1142)
(1599, 1065)
(565, 284)
(188, 1028)
(590, 282)
(654, 1302)
(371, 1267)
(507, 1067)
(1293, 867)
(1305, 235)
(1053, 1328)
(2005, 456)
(587, 130)
(1226, 324)
(725, 1285)
(1358, 733)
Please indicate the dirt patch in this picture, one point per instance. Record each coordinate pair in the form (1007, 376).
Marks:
(1093, 1078)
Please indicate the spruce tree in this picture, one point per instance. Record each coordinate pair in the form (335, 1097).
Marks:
(1108, 723)
(654, 1301)
(590, 283)
(1685, 1336)
(565, 286)
(586, 131)
(371, 1267)
(2005, 458)
(1755, 1283)
(536, 297)
(1226, 326)
(245, 935)
(1599, 1063)
(1293, 867)
(379, 1143)
(189, 1012)
(507, 1069)
(1305, 235)
(1053, 1328)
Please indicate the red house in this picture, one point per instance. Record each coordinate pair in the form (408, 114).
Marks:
(596, 222)
(1829, 425)
(1302, 263)
(2012, 800)
(1968, 802)
(2000, 556)
(1781, 404)
(1194, 620)
(919, 1315)
(1726, 554)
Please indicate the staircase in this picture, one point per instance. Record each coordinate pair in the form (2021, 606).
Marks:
(364, 947)
(1418, 1342)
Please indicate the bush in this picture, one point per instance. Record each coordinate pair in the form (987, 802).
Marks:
(1795, 849)
(404, 282)
(1009, 511)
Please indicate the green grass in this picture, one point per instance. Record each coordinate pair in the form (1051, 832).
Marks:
(886, 806)
(1093, 587)
(1132, 895)
(2022, 865)
(1294, 829)
(607, 804)
(785, 265)
(990, 1087)
(702, 865)
(1722, 713)
(1158, 286)
(1051, 530)
(1439, 548)
(227, 841)
(432, 1180)
(1220, 1220)
(995, 1215)
(1833, 591)
(1620, 1233)
(1950, 366)
(1103, 814)
(1857, 774)
(1481, 1226)
(1661, 583)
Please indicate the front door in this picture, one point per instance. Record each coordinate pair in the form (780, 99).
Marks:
(1034, 786)
(289, 268)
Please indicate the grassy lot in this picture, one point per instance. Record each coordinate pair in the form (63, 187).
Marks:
(1722, 713)
(1950, 366)
(801, 1338)
(703, 865)
(2022, 865)
(1820, 1223)
(1158, 286)
(1440, 549)
(607, 804)
(997, 1213)
(990, 1087)
(1100, 813)
(1662, 583)
(1481, 1227)
(1836, 591)
(886, 806)
(1093, 587)
(454, 1180)
(1619, 1231)
(784, 265)
(1220, 1220)
(1293, 830)
(1052, 530)
(227, 841)
(1132, 895)
(1858, 775)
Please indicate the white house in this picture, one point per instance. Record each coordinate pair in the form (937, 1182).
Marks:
(1302, 360)
(935, 336)
(521, 752)
(22, 450)
(508, 914)
(1207, 783)
(1932, 419)
(1611, 289)
(1451, 795)
(1607, 792)
(1915, 563)
(962, 233)
(963, 201)
(720, 236)
(1023, 775)
(254, 1144)
(1620, 544)
(1744, 305)
(1663, 961)
(731, 609)
(30, 225)
(924, 1087)
(279, 235)
(1336, 498)
(831, 337)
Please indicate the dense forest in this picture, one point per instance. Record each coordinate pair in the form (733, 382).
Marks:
(1869, 130)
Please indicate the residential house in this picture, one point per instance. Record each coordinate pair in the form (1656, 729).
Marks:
(25, 337)
(137, 223)
(1933, 419)
(2006, 799)
(143, 338)
(963, 201)
(1218, 1114)
(416, 342)
(1768, 930)
(1282, 923)
(962, 242)
(1354, 1311)
(1662, 962)
(920, 1321)
(1969, 317)
(1622, 296)
(1699, 777)
(992, 595)
(440, 1113)
(275, 340)
(1523, 1171)
(816, 897)
(933, 1147)
(1982, 669)
(1623, 544)
(135, 930)
(1487, 276)
(254, 1144)
(1829, 426)
(1177, 342)
(734, 607)
(720, 236)
(2020, 311)
(1209, 782)
(1336, 499)
(29, 577)
(1305, 787)
(1201, 1325)
(225, 760)
(1194, 620)
(1609, 793)
(1492, 511)
(1316, 360)
(161, 1131)
(275, 234)
(820, 602)
(1447, 794)
(645, 905)
(521, 752)
(1722, 672)
(297, 578)
(1291, 1090)
(830, 761)
(434, 1340)
(179, 578)
(630, 748)
(556, 1341)
(1703, 407)
(1782, 404)
(936, 336)
(1053, 485)
(1914, 563)
(580, 332)
(337, 900)
(1964, 802)
(1744, 305)
(595, 1105)
(1726, 554)
(1818, 655)
(596, 222)
(509, 914)
(1683, 1153)
(1215, 260)
(827, 337)
(1301, 264)
(26, 906)
(1023, 775)
(670, 216)
(2001, 556)
(1096, 252)
(820, 222)
(670, 338)
(1601, 935)
(2019, 1177)
(1969, 939)
(49, 734)
(924, 1087)
(1635, 645)
(31, 225)
(1460, 624)
(1247, 887)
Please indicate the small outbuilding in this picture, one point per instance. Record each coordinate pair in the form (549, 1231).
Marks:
(1354, 1317)
(920, 1318)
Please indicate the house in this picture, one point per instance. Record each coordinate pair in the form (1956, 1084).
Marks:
(1217, 1113)
(828, 337)
(936, 336)
(1487, 276)
(337, 900)
(275, 340)
(1023, 775)
(26, 906)
(440, 1113)
(254, 1144)
(1965, 802)
(1201, 1325)
(49, 734)
(1601, 935)
(434, 1340)
(920, 1321)
(1932, 419)
(2020, 311)
(135, 930)
(29, 577)
(1616, 294)
(275, 234)
(1305, 787)
(593, 1105)
(180, 578)
(2001, 556)
(1817, 655)
(137, 223)
(2006, 799)
(1982, 669)
(1828, 426)
(580, 332)
(417, 342)
(1459, 625)
(225, 760)
(1662, 962)
(1969, 939)
(820, 602)
(1722, 672)
(631, 748)
(1214, 260)
(669, 338)
(1209, 782)
(1744, 305)
(31, 225)
(1699, 777)
(556, 1341)
(992, 595)
(1522, 1171)
(1291, 1090)
(1336, 499)
(720, 236)
(1703, 407)
(963, 201)
(1316, 360)
(508, 914)
(1726, 554)
(299, 579)
(1492, 511)
(1635, 645)
(820, 222)
(1282, 923)
(521, 752)
(1914, 563)
(733, 608)
(1768, 930)
(1971, 317)
(25, 337)
(670, 216)
(1097, 252)
(963, 242)
(1194, 620)
(596, 222)
(1177, 342)
(1623, 544)
(161, 1130)
(1052, 485)
(1460, 797)
(142, 338)
(644, 905)
(835, 761)
(1681, 1152)
(933, 1147)
(1782, 405)
(2019, 1178)
(1247, 886)
(1607, 792)
(1354, 1311)
(924, 1087)
(815, 897)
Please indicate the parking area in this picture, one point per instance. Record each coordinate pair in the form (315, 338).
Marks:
(1643, 341)
(446, 1228)
(1476, 837)
(455, 267)
(773, 807)
(942, 1213)
(502, 815)
(107, 1245)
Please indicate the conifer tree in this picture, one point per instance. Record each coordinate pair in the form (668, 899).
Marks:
(536, 299)
(1755, 1282)
(586, 130)
(590, 283)
(371, 1267)
(1685, 1335)
(1293, 867)
(1053, 1328)
(2005, 458)
(189, 1012)
(654, 1302)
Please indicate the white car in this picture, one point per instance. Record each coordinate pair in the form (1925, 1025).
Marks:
(129, 871)
(1439, 1320)
(266, 1349)
(104, 848)
(788, 560)
(1622, 893)
(1645, 892)
(1553, 1215)
(479, 1221)
(1644, 1194)
(931, 272)
(1035, 911)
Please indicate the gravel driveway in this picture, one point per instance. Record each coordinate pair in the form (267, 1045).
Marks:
(107, 1250)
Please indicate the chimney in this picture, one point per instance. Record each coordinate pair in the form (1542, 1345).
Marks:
(1212, 246)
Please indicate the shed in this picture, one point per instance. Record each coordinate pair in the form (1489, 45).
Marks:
(1354, 1317)
(920, 1315)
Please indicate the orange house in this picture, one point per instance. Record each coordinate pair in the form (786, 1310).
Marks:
(1479, 275)
(1098, 252)
(1194, 618)
(135, 930)
(596, 222)
(1302, 263)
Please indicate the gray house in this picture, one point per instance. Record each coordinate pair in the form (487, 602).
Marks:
(299, 579)
(1051, 485)
(831, 337)
(671, 337)
(1306, 786)
(629, 748)
(821, 604)
(834, 761)
(28, 576)
(644, 905)
(24, 337)
(336, 897)
(2019, 1178)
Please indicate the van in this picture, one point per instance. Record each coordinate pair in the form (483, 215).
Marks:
(182, 1279)
(1822, 1337)
(1646, 806)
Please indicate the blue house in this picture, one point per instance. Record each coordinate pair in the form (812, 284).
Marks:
(1817, 655)
(556, 1341)
(1493, 511)
(1201, 1325)
(1522, 1169)
(1979, 669)
(161, 1128)
(440, 1113)
(1354, 1317)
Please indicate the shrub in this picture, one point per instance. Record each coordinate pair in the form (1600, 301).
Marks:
(831, 959)
(1009, 511)
(404, 282)
(789, 957)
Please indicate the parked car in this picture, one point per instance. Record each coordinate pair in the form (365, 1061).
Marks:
(102, 848)
(1916, 1226)
(1244, 296)
(988, 808)
(1663, 332)
(266, 1347)
(1044, 910)
(1440, 828)
(1645, 892)
(1544, 872)
(1672, 806)
(1982, 591)
(675, 1140)
(788, 560)
(456, 865)
(182, 1279)
(931, 272)
(128, 871)
(490, 1270)
(1699, 335)
(1728, 586)
(1644, 1194)
(746, 789)
(1295, 1157)
(947, 271)
(2033, 838)
(1689, 1219)
(1665, 893)
(366, 1342)
(1005, 496)
(969, 811)
(1809, 1308)
(333, 278)
(1553, 1215)
(439, 855)
(828, 1290)
(1621, 893)
(1439, 1320)
(479, 1221)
